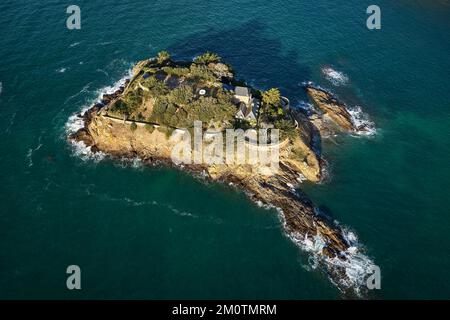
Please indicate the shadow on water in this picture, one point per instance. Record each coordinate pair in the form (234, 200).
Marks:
(255, 54)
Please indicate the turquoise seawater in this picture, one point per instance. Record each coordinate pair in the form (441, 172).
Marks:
(155, 233)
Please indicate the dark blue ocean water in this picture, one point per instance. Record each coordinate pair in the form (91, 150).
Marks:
(154, 233)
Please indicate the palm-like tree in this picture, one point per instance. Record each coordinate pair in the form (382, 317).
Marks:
(163, 56)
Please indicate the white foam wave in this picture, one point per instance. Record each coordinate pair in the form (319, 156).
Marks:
(144, 203)
(356, 265)
(76, 122)
(116, 86)
(337, 78)
(31, 152)
(360, 119)
(85, 153)
(312, 84)
(29, 157)
(180, 212)
(103, 71)
(135, 163)
(11, 122)
(61, 70)
(105, 43)
(265, 206)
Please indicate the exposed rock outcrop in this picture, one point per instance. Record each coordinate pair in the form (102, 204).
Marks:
(221, 70)
(331, 107)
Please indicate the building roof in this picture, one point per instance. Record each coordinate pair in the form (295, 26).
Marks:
(243, 108)
(242, 91)
(246, 111)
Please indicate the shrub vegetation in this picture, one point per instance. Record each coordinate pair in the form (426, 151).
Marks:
(206, 58)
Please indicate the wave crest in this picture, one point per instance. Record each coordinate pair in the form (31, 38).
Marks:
(337, 78)
(353, 263)
(362, 122)
(76, 121)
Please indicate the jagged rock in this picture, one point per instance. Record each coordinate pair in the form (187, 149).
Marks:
(107, 98)
(221, 70)
(84, 136)
(331, 107)
(95, 149)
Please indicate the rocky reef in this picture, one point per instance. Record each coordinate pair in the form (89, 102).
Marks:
(331, 115)
(331, 108)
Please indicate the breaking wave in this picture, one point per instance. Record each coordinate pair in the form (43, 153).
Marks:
(76, 122)
(365, 126)
(356, 266)
(312, 84)
(354, 263)
(337, 78)
(361, 120)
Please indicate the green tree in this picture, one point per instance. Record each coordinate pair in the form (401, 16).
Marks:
(133, 101)
(163, 56)
(169, 116)
(177, 71)
(157, 88)
(271, 97)
(207, 58)
(169, 132)
(182, 95)
(133, 126)
(201, 73)
(275, 111)
(241, 124)
(120, 108)
(272, 104)
(158, 110)
(224, 97)
(287, 128)
(150, 128)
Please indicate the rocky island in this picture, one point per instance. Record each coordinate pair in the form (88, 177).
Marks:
(150, 114)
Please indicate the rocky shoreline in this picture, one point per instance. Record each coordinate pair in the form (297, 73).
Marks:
(332, 116)
(302, 222)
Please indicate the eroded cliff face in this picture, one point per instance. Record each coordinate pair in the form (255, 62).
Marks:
(114, 136)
